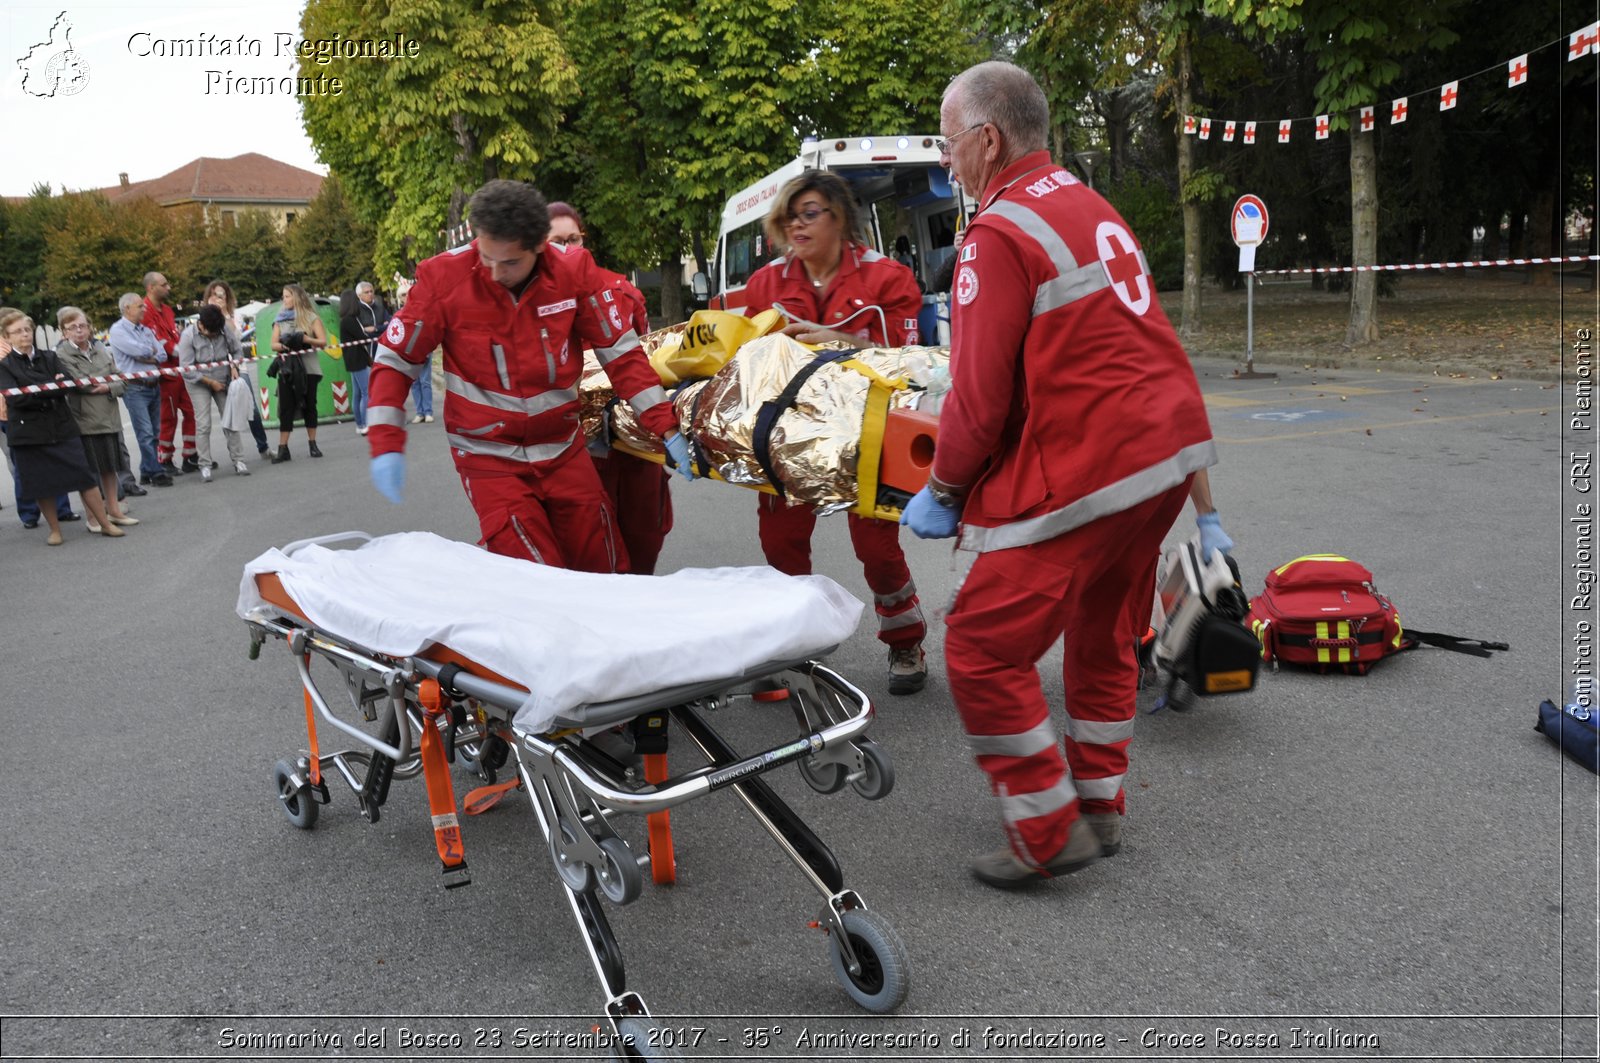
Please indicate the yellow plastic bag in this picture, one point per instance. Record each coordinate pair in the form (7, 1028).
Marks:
(708, 341)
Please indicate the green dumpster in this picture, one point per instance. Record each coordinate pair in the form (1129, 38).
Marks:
(333, 395)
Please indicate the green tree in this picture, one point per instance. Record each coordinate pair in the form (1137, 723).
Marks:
(97, 250)
(329, 248)
(248, 255)
(413, 137)
(26, 228)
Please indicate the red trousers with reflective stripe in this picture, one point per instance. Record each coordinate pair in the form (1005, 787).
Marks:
(175, 400)
(641, 499)
(552, 513)
(1091, 588)
(786, 542)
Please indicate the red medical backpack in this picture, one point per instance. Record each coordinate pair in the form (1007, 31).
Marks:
(1322, 611)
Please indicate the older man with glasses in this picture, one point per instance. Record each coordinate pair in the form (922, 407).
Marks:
(136, 349)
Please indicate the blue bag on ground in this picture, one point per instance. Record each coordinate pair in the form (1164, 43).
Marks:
(1573, 729)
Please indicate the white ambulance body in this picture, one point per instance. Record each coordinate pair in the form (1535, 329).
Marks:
(912, 211)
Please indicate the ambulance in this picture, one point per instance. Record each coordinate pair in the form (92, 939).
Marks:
(911, 208)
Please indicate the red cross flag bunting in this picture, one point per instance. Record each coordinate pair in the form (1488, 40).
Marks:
(1397, 111)
(1366, 119)
(1584, 42)
(1227, 131)
(1249, 132)
(1447, 97)
(1188, 124)
(1283, 131)
(1205, 129)
(1322, 127)
(1517, 71)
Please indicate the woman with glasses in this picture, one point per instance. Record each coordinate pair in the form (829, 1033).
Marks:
(94, 408)
(832, 286)
(638, 489)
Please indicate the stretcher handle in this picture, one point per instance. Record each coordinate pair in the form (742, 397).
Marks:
(400, 753)
(332, 537)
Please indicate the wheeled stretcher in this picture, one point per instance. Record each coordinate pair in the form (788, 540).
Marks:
(413, 702)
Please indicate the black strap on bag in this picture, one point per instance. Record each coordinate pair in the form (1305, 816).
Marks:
(1454, 643)
(772, 409)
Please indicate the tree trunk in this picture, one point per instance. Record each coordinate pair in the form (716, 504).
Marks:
(1491, 235)
(1363, 239)
(671, 288)
(1541, 229)
(1189, 326)
(1515, 231)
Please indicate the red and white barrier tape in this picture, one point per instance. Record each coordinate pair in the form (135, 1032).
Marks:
(1436, 265)
(171, 370)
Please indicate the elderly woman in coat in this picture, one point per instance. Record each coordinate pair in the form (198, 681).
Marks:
(42, 432)
(94, 408)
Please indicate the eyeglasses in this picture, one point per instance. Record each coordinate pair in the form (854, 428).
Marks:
(944, 144)
(807, 216)
(575, 238)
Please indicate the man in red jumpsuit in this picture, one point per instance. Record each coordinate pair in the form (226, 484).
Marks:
(513, 321)
(159, 318)
(831, 286)
(1066, 449)
(638, 489)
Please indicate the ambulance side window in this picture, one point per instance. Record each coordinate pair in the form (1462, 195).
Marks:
(746, 251)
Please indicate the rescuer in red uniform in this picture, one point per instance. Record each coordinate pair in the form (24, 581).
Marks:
(831, 286)
(1067, 445)
(513, 320)
(159, 318)
(638, 489)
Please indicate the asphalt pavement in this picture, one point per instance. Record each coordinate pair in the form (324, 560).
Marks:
(1390, 866)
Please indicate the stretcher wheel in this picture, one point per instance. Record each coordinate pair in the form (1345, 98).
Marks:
(578, 876)
(642, 1038)
(823, 778)
(619, 878)
(877, 776)
(885, 976)
(297, 801)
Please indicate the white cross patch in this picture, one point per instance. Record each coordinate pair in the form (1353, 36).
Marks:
(966, 285)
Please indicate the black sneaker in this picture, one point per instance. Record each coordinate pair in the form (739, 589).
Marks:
(169, 469)
(191, 465)
(908, 669)
(162, 481)
(134, 491)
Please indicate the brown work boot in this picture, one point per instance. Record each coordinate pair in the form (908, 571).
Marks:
(1003, 870)
(908, 669)
(1107, 827)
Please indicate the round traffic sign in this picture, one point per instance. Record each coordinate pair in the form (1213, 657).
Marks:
(1249, 221)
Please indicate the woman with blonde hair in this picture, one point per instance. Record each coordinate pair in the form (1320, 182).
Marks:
(298, 337)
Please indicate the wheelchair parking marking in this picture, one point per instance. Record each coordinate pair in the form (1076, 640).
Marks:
(1413, 423)
(1293, 416)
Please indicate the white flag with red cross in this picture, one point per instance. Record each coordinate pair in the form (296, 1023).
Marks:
(1447, 96)
(1517, 71)
(1322, 127)
(1189, 124)
(1584, 42)
(1283, 130)
(1397, 111)
(1367, 119)
(1249, 132)
(1205, 129)
(1227, 131)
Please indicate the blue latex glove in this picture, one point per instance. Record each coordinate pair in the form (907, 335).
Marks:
(389, 475)
(678, 455)
(927, 518)
(1212, 537)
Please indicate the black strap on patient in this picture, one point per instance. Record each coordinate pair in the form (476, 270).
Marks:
(772, 409)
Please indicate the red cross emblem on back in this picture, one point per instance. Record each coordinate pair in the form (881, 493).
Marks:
(1119, 257)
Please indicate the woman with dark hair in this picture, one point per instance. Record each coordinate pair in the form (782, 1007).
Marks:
(42, 433)
(639, 489)
(832, 286)
(298, 337)
(219, 293)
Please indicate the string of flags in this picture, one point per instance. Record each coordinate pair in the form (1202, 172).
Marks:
(1582, 42)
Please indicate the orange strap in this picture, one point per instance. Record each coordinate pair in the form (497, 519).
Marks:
(484, 798)
(441, 793)
(315, 770)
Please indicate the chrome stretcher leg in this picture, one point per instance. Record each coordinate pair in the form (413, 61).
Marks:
(869, 959)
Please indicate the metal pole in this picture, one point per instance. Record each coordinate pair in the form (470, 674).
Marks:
(1250, 322)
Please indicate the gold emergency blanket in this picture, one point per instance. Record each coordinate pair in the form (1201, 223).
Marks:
(815, 447)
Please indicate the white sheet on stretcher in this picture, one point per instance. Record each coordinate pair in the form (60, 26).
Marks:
(572, 638)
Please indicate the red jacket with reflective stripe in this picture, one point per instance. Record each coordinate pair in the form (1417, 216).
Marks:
(1071, 396)
(511, 364)
(872, 296)
(159, 318)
